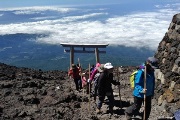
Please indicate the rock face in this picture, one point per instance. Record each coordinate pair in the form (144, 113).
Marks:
(168, 77)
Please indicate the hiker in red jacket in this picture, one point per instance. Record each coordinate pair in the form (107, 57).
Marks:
(75, 73)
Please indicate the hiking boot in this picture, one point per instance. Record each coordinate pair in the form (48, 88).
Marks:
(80, 90)
(110, 110)
(139, 115)
(128, 117)
(98, 111)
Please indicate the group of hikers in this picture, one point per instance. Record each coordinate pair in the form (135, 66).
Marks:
(98, 81)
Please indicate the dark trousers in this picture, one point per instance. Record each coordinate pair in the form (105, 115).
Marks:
(101, 100)
(78, 83)
(94, 90)
(135, 107)
(88, 88)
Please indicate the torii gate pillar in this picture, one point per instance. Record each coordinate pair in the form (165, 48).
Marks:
(97, 55)
(71, 55)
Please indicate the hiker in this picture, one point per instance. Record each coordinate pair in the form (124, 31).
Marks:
(75, 73)
(105, 87)
(94, 72)
(92, 75)
(96, 79)
(85, 77)
(139, 90)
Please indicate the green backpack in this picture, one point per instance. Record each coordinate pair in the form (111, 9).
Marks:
(132, 78)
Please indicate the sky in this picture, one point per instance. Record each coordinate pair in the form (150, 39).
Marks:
(18, 3)
(25, 3)
(144, 25)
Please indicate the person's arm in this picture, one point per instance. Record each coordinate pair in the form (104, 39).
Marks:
(114, 82)
(93, 74)
(70, 72)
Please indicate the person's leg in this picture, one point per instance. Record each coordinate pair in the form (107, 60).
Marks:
(76, 84)
(80, 83)
(111, 102)
(135, 107)
(148, 107)
(100, 101)
(95, 92)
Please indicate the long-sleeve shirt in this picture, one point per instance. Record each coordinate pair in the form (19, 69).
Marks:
(139, 84)
(95, 71)
(104, 83)
(74, 73)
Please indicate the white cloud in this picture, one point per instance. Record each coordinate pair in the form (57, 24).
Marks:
(43, 18)
(4, 49)
(142, 29)
(38, 9)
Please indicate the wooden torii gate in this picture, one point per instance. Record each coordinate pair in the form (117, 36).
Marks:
(83, 46)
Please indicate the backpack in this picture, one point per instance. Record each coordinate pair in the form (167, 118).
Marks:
(132, 78)
(96, 78)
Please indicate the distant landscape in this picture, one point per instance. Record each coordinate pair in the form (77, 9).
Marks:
(22, 51)
(31, 36)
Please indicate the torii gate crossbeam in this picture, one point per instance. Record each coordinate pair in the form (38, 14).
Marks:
(83, 46)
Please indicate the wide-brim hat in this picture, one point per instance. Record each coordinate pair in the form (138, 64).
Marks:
(108, 66)
(153, 62)
(101, 68)
(83, 74)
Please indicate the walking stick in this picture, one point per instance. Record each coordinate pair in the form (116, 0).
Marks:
(69, 76)
(144, 93)
(89, 86)
(81, 75)
(118, 71)
(80, 66)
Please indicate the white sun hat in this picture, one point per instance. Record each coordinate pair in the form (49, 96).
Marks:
(108, 66)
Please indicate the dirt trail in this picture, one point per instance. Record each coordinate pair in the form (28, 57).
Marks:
(89, 108)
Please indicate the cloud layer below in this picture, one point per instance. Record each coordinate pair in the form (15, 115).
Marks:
(136, 29)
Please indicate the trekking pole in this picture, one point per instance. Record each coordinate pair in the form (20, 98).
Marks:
(79, 62)
(83, 89)
(118, 73)
(69, 76)
(144, 93)
(89, 87)
(81, 76)
(82, 86)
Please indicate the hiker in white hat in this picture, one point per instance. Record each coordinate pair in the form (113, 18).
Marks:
(105, 87)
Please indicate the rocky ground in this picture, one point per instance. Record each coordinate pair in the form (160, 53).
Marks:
(28, 94)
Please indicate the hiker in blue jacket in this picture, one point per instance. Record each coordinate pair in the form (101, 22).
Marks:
(139, 90)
